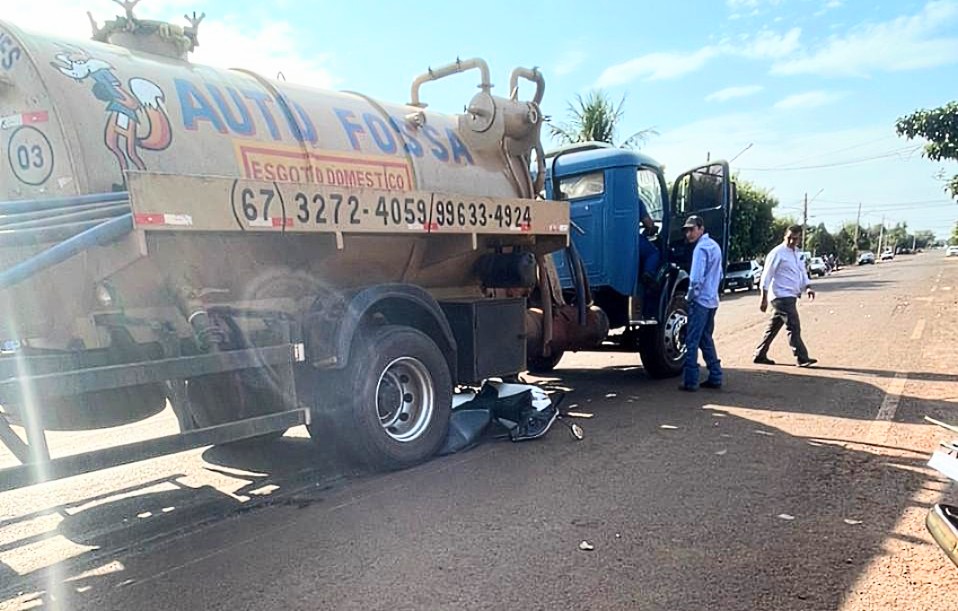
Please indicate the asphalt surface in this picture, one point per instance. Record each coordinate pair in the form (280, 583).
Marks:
(788, 489)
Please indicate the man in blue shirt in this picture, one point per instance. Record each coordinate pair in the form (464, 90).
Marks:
(703, 300)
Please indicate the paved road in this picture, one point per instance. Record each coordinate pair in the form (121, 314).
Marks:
(789, 489)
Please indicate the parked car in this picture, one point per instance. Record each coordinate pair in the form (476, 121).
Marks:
(866, 258)
(742, 275)
(817, 267)
(951, 251)
(887, 255)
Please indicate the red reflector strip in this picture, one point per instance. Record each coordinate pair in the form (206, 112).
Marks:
(278, 222)
(38, 116)
(156, 218)
(149, 219)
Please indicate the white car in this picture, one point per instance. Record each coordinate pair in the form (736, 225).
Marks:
(742, 275)
(817, 267)
(887, 255)
(951, 251)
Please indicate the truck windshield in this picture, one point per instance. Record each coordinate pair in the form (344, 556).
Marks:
(583, 185)
(650, 192)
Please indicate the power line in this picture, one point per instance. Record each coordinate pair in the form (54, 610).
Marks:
(891, 207)
(855, 202)
(892, 153)
(841, 150)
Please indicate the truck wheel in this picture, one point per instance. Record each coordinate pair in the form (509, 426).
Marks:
(390, 407)
(544, 364)
(662, 347)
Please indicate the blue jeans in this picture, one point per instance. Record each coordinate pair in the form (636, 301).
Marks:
(648, 256)
(698, 334)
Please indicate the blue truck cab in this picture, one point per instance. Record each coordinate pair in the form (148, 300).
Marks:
(628, 282)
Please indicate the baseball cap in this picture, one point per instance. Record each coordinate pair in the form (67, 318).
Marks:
(694, 221)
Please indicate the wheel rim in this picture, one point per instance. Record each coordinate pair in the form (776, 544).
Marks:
(674, 335)
(405, 399)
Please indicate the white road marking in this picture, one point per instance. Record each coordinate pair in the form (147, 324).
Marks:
(919, 329)
(889, 404)
(946, 288)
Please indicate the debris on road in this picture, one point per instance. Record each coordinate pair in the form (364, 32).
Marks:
(611, 395)
(583, 415)
(721, 452)
(585, 546)
(669, 427)
(785, 516)
(852, 522)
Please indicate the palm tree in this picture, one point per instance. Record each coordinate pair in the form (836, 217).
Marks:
(595, 119)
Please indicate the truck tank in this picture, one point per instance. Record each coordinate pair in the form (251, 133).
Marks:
(89, 129)
(77, 118)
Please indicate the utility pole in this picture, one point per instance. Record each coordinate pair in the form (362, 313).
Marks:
(881, 234)
(858, 221)
(804, 221)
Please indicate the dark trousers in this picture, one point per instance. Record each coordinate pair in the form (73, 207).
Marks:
(784, 313)
(698, 335)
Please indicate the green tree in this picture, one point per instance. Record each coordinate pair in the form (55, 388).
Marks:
(752, 232)
(820, 241)
(596, 119)
(939, 126)
(954, 235)
(924, 238)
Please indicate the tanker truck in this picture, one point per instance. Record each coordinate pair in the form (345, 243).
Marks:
(260, 255)
(256, 253)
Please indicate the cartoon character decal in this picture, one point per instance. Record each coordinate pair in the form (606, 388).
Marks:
(141, 101)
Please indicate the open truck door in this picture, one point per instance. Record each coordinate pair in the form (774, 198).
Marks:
(707, 191)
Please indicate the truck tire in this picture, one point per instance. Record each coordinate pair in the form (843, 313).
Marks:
(544, 364)
(662, 347)
(389, 408)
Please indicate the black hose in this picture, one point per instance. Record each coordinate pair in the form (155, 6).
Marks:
(575, 269)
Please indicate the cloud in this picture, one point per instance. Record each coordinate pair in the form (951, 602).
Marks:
(782, 140)
(905, 43)
(808, 99)
(729, 93)
(735, 5)
(766, 44)
(656, 66)
(264, 47)
(569, 62)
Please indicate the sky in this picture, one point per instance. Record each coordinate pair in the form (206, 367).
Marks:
(802, 95)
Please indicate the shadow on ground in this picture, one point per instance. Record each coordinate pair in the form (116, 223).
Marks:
(686, 517)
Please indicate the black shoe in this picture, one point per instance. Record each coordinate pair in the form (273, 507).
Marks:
(712, 385)
(687, 388)
(763, 360)
(807, 362)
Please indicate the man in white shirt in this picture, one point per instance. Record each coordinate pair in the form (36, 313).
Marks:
(786, 278)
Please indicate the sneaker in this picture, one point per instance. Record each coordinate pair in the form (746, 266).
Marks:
(807, 362)
(763, 360)
(712, 385)
(685, 388)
